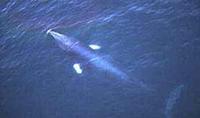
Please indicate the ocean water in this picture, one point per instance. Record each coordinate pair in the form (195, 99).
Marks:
(155, 42)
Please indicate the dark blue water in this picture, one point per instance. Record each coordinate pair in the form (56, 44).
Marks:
(156, 42)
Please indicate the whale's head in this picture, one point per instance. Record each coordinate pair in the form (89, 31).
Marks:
(48, 31)
(63, 41)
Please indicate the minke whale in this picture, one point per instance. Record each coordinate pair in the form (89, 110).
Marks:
(70, 44)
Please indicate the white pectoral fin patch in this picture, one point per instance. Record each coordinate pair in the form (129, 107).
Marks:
(95, 46)
(77, 68)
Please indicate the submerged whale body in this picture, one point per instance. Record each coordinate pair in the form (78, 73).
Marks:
(172, 100)
(72, 45)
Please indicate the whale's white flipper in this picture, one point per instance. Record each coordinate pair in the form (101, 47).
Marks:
(77, 68)
(95, 46)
